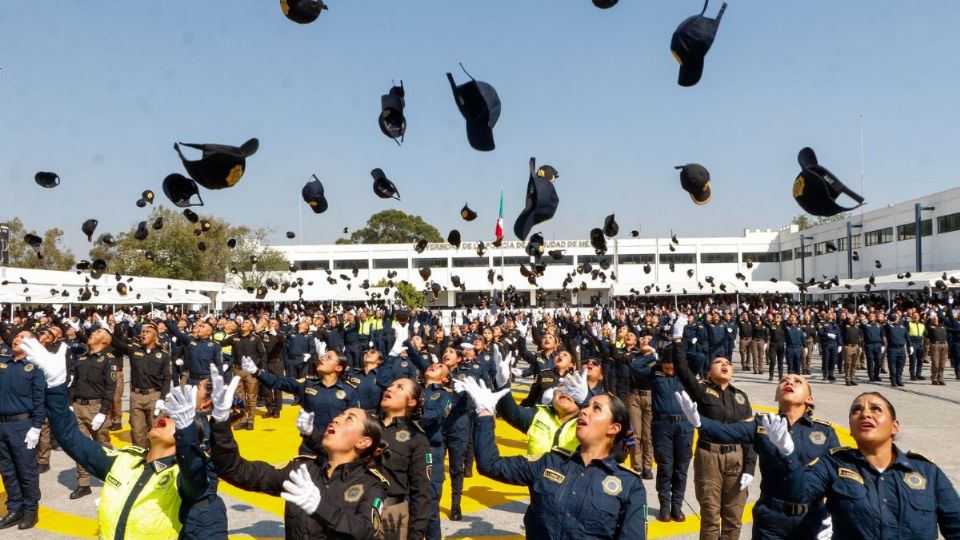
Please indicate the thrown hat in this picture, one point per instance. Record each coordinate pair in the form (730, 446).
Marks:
(535, 245)
(605, 4)
(610, 226)
(191, 216)
(232, 243)
(47, 179)
(141, 203)
(555, 254)
(312, 193)
(141, 233)
(816, 189)
(291, 235)
(302, 11)
(88, 228)
(180, 189)
(597, 240)
(205, 225)
(107, 240)
(392, 122)
(480, 106)
(32, 240)
(382, 186)
(421, 245)
(467, 214)
(542, 199)
(147, 196)
(220, 166)
(695, 180)
(690, 43)
(425, 273)
(635, 233)
(481, 249)
(454, 238)
(158, 223)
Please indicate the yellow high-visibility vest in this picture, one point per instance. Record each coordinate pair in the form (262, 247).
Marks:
(544, 428)
(154, 512)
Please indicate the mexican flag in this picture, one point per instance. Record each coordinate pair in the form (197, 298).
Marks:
(499, 229)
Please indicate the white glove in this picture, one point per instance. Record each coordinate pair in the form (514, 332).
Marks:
(832, 336)
(678, 327)
(546, 398)
(222, 395)
(179, 361)
(503, 369)
(33, 437)
(883, 349)
(272, 332)
(483, 397)
(159, 407)
(98, 421)
(458, 386)
(53, 365)
(911, 349)
(301, 491)
(826, 531)
(729, 330)
(575, 386)
(522, 328)
(517, 372)
(839, 348)
(689, 408)
(745, 481)
(778, 433)
(305, 422)
(181, 405)
(306, 357)
(693, 341)
(248, 366)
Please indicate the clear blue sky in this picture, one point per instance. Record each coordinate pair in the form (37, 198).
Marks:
(100, 91)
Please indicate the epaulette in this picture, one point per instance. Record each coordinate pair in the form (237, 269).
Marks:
(350, 383)
(630, 470)
(418, 426)
(562, 451)
(839, 449)
(353, 380)
(110, 355)
(921, 457)
(822, 422)
(379, 475)
(134, 450)
(304, 456)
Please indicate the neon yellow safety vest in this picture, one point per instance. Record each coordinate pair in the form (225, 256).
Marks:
(154, 512)
(915, 329)
(219, 337)
(546, 432)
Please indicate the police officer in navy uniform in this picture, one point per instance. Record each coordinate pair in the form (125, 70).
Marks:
(366, 380)
(200, 352)
(795, 340)
(300, 351)
(895, 335)
(873, 346)
(829, 333)
(437, 404)
(273, 343)
(22, 414)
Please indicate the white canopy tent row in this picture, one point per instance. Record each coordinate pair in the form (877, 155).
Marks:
(688, 288)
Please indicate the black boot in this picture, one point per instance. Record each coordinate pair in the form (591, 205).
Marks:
(647, 474)
(455, 514)
(677, 514)
(28, 521)
(80, 492)
(663, 514)
(11, 519)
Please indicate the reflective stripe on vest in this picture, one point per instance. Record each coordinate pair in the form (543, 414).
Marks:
(546, 432)
(153, 514)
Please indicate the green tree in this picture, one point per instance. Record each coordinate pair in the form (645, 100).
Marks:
(52, 255)
(393, 227)
(805, 221)
(410, 296)
(175, 252)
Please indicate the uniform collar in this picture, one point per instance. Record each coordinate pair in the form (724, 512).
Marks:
(343, 471)
(162, 464)
(609, 463)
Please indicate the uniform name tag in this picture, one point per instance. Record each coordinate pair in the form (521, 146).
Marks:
(553, 476)
(310, 391)
(852, 475)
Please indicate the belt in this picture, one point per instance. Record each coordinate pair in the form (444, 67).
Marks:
(788, 508)
(932, 342)
(143, 391)
(714, 447)
(670, 417)
(644, 392)
(87, 401)
(14, 417)
(915, 338)
(390, 501)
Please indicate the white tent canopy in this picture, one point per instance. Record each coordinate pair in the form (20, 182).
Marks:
(892, 282)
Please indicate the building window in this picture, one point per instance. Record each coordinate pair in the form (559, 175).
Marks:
(908, 231)
(842, 244)
(879, 236)
(718, 258)
(594, 259)
(389, 264)
(678, 258)
(438, 262)
(637, 258)
(948, 223)
(761, 257)
(312, 265)
(786, 255)
(819, 248)
(548, 260)
(797, 254)
(350, 264)
(471, 262)
(514, 261)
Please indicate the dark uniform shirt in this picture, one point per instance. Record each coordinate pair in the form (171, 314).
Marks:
(22, 388)
(250, 345)
(851, 334)
(94, 378)
(199, 353)
(896, 335)
(568, 498)
(273, 346)
(325, 402)
(369, 389)
(936, 334)
(406, 462)
(872, 333)
(793, 336)
(437, 404)
(824, 330)
(149, 368)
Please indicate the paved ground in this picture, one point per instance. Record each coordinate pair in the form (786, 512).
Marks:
(928, 414)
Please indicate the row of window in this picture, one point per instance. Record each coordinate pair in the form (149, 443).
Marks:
(907, 231)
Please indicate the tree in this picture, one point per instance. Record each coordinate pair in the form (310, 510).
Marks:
(175, 252)
(393, 227)
(52, 255)
(410, 296)
(804, 221)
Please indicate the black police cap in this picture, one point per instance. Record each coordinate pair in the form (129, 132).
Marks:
(541, 201)
(180, 189)
(535, 245)
(382, 186)
(454, 238)
(88, 228)
(605, 4)
(420, 246)
(610, 226)
(695, 180)
(479, 105)
(816, 189)
(467, 214)
(141, 233)
(158, 223)
(392, 122)
(302, 11)
(690, 43)
(220, 166)
(313, 195)
(598, 241)
(32, 240)
(47, 179)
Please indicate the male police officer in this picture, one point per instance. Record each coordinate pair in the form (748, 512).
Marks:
(149, 378)
(201, 351)
(829, 333)
(896, 337)
(873, 346)
(94, 383)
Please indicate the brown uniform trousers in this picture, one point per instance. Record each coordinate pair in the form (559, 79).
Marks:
(248, 389)
(116, 412)
(85, 414)
(746, 353)
(806, 356)
(938, 360)
(640, 406)
(142, 404)
(43, 448)
(850, 355)
(757, 354)
(395, 522)
(717, 483)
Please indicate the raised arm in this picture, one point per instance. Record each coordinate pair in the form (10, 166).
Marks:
(515, 470)
(249, 475)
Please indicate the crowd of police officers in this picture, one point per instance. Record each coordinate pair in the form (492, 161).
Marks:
(333, 361)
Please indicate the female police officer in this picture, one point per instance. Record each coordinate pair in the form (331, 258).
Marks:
(874, 490)
(775, 516)
(573, 494)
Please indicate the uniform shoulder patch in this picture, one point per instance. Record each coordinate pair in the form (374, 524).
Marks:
(630, 470)
(921, 457)
(839, 449)
(532, 458)
(380, 476)
(110, 355)
(822, 422)
(418, 426)
(562, 451)
(352, 383)
(134, 450)
(813, 461)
